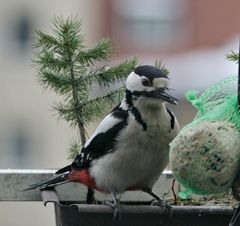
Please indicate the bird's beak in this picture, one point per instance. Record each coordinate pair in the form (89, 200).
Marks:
(164, 95)
(159, 93)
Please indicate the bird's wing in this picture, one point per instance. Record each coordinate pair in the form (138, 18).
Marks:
(102, 140)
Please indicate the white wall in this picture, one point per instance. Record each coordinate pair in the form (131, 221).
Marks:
(30, 136)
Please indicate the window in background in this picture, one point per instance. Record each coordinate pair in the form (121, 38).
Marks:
(150, 24)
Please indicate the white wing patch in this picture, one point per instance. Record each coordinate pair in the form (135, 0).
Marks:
(107, 123)
(124, 105)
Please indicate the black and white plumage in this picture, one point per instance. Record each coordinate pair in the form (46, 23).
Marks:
(129, 148)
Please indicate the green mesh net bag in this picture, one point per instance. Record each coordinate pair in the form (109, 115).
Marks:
(204, 157)
(217, 103)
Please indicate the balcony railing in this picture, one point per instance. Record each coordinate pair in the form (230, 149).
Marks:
(136, 210)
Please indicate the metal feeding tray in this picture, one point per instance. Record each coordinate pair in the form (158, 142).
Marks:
(139, 214)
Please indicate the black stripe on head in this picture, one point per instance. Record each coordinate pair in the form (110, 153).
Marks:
(150, 72)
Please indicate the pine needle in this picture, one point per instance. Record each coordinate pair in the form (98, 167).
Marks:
(233, 56)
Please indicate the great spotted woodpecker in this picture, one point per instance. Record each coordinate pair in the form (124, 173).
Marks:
(129, 149)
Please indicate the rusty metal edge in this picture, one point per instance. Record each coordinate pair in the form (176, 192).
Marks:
(50, 196)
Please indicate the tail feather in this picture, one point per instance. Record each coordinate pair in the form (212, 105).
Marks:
(60, 179)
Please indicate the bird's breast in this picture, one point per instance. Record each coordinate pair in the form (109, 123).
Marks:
(138, 157)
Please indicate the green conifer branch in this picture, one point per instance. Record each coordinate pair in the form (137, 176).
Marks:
(45, 41)
(105, 76)
(56, 82)
(233, 56)
(66, 111)
(159, 64)
(66, 66)
(98, 105)
(74, 148)
(101, 52)
(67, 32)
(101, 104)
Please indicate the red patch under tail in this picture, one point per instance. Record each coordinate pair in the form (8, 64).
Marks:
(82, 176)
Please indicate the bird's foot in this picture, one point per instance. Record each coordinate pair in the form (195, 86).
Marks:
(164, 205)
(115, 208)
(159, 202)
(115, 205)
(235, 218)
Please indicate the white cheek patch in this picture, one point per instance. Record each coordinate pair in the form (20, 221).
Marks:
(134, 82)
(160, 82)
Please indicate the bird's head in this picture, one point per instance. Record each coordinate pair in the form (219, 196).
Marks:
(149, 82)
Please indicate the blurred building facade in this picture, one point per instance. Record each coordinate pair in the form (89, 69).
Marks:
(171, 26)
(190, 36)
(150, 30)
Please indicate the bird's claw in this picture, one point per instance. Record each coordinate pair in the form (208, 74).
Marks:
(235, 220)
(164, 205)
(116, 209)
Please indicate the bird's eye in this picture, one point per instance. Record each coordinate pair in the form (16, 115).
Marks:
(146, 82)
